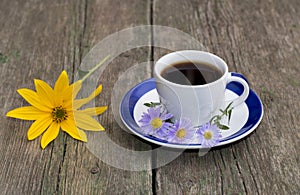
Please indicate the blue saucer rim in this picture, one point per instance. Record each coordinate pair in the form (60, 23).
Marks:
(130, 99)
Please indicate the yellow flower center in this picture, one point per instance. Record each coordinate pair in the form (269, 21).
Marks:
(59, 114)
(156, 123)
(181, 133)
(208, 135)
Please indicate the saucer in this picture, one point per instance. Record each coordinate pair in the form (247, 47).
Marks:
(245, 117)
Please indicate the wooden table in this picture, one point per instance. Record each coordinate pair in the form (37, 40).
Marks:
(259, 39)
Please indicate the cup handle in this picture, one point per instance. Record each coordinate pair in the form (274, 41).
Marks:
(235, 77)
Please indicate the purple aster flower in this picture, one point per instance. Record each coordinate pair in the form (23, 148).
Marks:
(209, 135)
(153, 122)
(182, 132)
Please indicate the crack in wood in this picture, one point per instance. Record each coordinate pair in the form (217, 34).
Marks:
(154, 154)
(60, 166)
(154, 175)
(83, 30)
(151, 2)
(239, 170)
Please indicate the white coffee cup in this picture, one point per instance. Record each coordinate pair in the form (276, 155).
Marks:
(195, 102)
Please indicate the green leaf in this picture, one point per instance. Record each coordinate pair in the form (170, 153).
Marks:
(229, 115)
(155, 104)
(215, 120)
(147, 104)
(228, 106)
(16, 54)
(223, 127)
(152, 104)
(3, 58)
(217, 123)
(212, 119)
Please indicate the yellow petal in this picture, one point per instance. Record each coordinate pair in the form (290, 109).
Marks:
(71, 92)
(93, 111)
(60, 86)
(27, 113)
(80, 102)
(62, 82)
(32, 98)
(86, 122)
(45, 93)
(50, 134)
(38, 127)
(70, 127)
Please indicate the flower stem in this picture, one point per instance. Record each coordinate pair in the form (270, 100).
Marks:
(95, 68)
(215, 120)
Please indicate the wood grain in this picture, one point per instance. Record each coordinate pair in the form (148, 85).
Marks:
(259, 39)
(41, 39)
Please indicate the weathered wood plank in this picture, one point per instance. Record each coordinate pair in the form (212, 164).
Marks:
(30, 37)
(261, 40)
(40, 39)
(81, 171)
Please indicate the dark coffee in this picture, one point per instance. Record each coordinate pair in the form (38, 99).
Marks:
(191, 73)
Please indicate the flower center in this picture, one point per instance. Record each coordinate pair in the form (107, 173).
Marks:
(208, 135)
(181, 133)
(59, 114)
(156, 123)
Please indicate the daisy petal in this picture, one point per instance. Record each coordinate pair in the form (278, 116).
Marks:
(38, 127)
(93, 111)
(69, 127)
(154, 112)
(50, 134)
(86, 122)
(27, 113)
(147, 129)
(166, 116)
(45, 92)
(32, 98)
(80, 102)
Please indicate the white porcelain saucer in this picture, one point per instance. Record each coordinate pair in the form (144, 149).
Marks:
(245, 118)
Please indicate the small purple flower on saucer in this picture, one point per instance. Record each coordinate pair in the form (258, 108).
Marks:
(182, 132)
(209, 135)
(153, 122)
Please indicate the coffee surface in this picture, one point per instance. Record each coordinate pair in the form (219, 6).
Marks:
(191, 73)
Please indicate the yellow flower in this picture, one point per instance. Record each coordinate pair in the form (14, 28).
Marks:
(55, 109)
